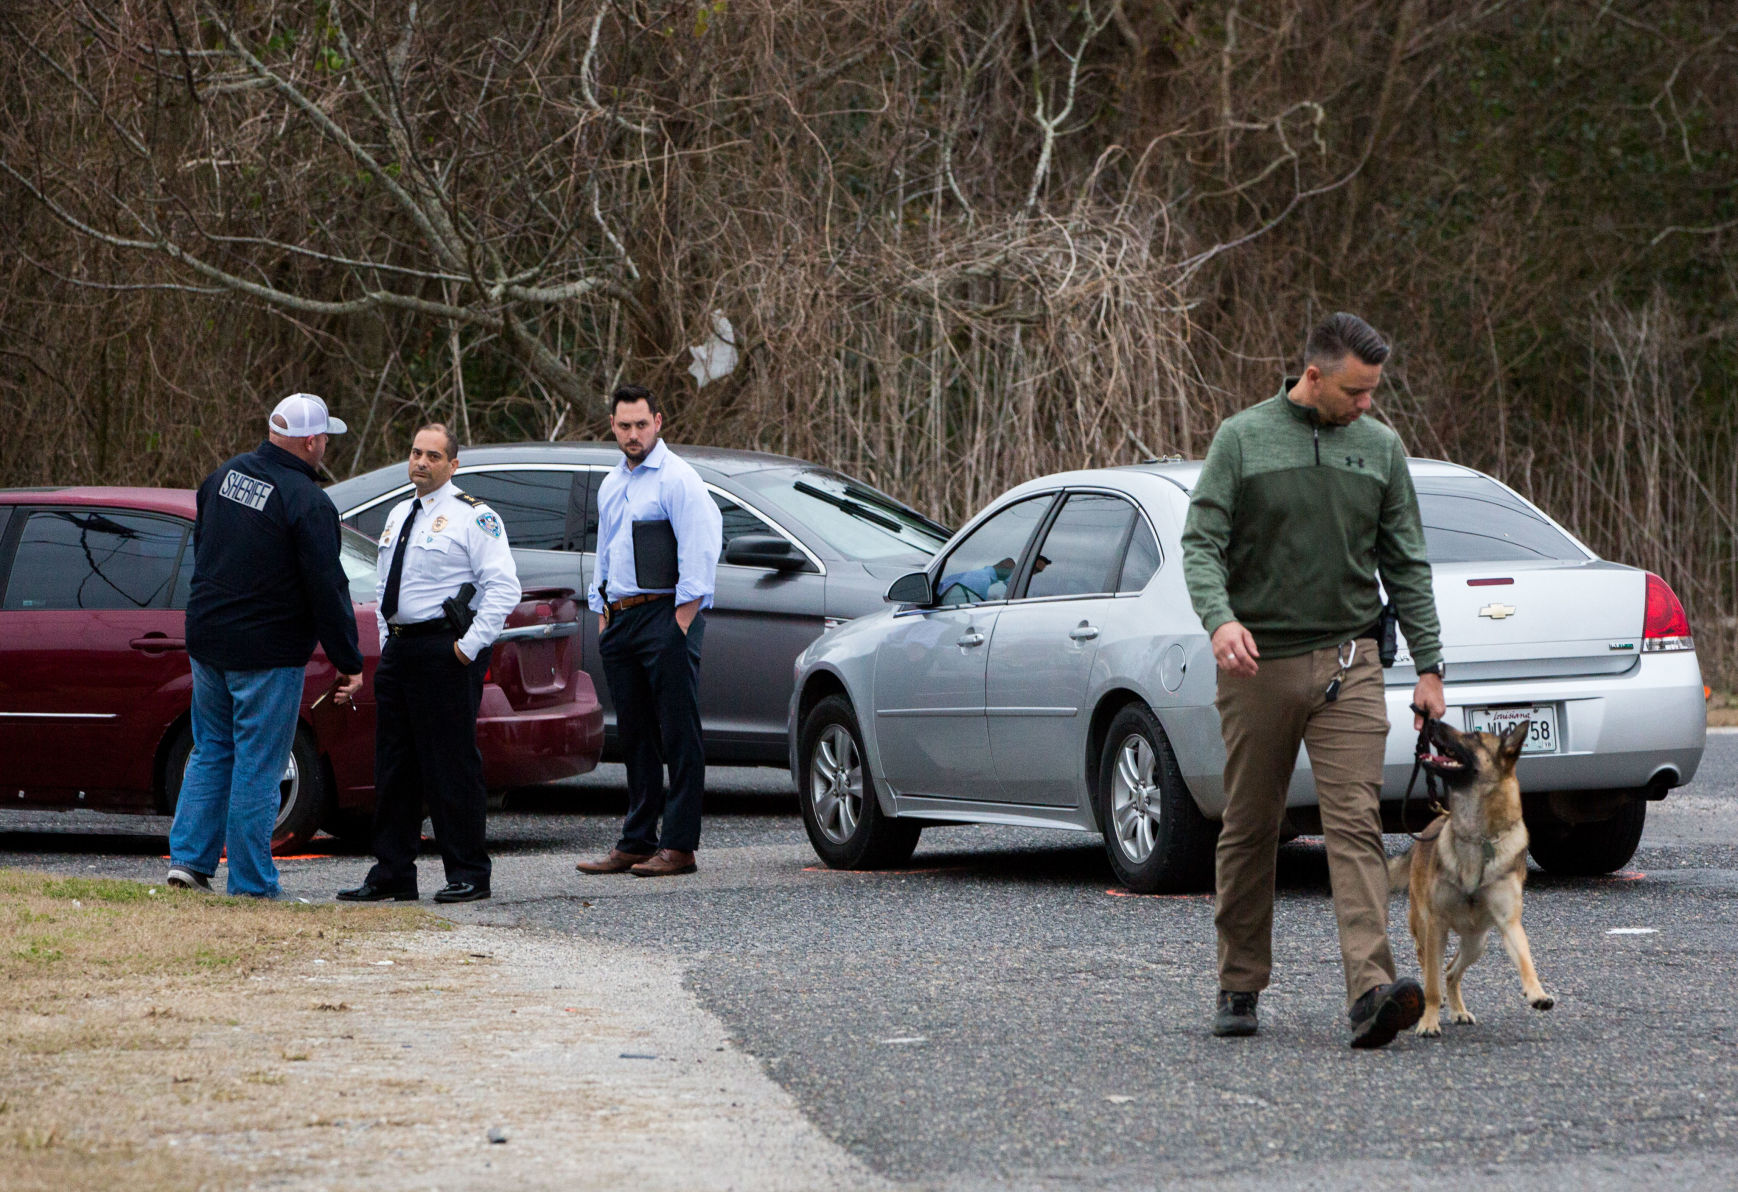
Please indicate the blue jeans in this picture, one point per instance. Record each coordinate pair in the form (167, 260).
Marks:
(244, 723)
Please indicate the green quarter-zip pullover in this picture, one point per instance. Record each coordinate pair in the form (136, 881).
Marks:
(1290, 523)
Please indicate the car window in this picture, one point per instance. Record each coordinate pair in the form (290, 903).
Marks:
(982, 565)
(533, 503)
(1472, 519)
(372, 520)
(183, 576)
(585, 530)
(1141, 562)
(854, 519)
(1082, 550)
(360, 559)
(96, 559)
(737, 520)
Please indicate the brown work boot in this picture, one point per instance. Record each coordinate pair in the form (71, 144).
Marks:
(666, 862)
(616, 862)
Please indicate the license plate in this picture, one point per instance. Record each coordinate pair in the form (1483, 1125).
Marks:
(1542, 734)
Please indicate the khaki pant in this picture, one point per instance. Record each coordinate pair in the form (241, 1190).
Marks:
(1264, 718)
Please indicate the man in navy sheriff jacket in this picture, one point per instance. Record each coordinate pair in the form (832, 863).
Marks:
(267, 584)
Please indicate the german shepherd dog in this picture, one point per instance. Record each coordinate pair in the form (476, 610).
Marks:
(1466, 871)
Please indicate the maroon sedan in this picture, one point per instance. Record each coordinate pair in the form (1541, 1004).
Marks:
(95, 684)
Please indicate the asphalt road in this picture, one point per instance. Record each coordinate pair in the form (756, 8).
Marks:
(998, 1015)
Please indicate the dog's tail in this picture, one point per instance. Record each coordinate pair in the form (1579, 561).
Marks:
(1399, 871)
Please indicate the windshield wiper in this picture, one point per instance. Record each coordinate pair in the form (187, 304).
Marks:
(865, 494)
(854, 508)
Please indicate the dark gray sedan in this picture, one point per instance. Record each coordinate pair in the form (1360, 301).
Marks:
(805, 548)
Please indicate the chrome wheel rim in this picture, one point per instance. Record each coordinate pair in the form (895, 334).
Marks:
(1135, 798)
(836, 783)
(289, 786)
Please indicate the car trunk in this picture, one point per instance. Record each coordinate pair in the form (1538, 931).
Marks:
(1533, 620)
(537, 655)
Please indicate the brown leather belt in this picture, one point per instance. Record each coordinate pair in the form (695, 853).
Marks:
(616, 606)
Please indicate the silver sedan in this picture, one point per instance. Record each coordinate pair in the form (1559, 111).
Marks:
(1047, 670)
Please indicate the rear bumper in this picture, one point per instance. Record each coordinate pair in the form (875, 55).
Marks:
(542, 744)
(1645, 727)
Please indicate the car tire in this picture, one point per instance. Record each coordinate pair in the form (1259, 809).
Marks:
(1157, 840)
(302, 794)
(355, 828)
(1584, 850)
(841, 814)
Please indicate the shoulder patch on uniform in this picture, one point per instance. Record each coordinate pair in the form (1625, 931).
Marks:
(468, 499)
(490, 523)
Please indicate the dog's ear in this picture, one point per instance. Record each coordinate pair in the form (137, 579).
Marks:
(1514, 740)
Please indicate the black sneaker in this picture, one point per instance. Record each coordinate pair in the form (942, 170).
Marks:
(1235, 1016)
(1385, 1011)
(183, 878)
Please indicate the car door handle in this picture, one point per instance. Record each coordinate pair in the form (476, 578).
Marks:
(972, 639)
(157, 643)
(1081, 633)
(539, 632)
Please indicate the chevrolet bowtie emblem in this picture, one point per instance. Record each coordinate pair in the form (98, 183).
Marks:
(1497, 612)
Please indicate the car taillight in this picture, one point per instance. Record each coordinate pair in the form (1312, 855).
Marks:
(1666, 627)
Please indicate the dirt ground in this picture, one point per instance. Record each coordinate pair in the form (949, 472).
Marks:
(157, 1039)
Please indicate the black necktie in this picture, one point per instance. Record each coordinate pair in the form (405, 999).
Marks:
(395, 573)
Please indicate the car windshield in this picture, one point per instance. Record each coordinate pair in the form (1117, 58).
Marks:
(1472, 519)
(356, 553)
(855, 520)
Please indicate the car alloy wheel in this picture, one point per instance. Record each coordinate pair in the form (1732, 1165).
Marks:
(289, 786)
(302, 790)
(1155, 837)
(1135, 799)
(836, 784)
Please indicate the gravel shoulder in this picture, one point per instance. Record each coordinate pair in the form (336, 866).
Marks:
(385, 1060)
(596, 1064)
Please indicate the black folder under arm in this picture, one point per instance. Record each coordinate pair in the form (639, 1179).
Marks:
(654, 554)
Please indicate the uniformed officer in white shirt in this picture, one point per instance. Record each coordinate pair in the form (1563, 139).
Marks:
(430, 680)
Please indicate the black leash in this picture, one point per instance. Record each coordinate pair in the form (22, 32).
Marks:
(1418, 754)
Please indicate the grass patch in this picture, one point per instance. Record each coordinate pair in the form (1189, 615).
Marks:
(95, 889)
(111, 930)
(105, 989)
(1723, 709)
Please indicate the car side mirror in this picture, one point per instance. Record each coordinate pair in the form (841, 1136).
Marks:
(912, 589)
(764, 550)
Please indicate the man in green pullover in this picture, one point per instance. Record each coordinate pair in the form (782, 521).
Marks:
(1302, 501)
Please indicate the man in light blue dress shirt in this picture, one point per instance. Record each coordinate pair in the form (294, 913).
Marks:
(659, 536)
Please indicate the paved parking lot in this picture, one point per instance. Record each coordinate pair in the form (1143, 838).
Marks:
(998, 1015)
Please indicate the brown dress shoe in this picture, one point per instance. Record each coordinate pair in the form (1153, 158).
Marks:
(666, 862)
(616, 862)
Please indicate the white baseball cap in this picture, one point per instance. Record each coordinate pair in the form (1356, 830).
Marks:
(301, 415)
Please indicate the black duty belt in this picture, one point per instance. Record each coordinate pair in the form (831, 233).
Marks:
(419, 628)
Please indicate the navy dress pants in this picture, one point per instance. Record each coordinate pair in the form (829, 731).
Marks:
(653, 671)
(425, 749)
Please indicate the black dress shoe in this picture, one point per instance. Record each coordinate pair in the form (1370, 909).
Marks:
(368, 892)
(461, 892)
